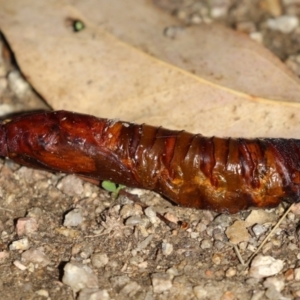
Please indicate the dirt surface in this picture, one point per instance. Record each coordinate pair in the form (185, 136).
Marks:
(63, 238)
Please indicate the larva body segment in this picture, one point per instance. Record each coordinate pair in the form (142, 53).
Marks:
(221, 174)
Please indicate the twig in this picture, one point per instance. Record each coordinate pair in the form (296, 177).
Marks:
(269, 235)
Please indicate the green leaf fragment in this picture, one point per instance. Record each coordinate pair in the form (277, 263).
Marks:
(112, 187)
(78, 25)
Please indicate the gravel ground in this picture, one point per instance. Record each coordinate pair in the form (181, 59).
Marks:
(63, 238)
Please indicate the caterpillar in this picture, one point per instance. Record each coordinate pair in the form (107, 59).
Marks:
(191, 170)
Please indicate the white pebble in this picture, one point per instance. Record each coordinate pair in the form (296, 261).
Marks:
(19, 265)
(284, 24)
(22, 244)
(79, 276)
(257, 37)
(138, 192)
(5, 109)
(277, 283)
(71, 185)
(297, 274)
(206, 244)
(36, 256)
(172, 272)
(151, 214)
(272, 294)
(43, 293)
(230, 272)
(99, 260)
(265, 266)
(17, 83)
(167, 248)
(258, 229)
(73, 218)
(161, 282)
(93, 294)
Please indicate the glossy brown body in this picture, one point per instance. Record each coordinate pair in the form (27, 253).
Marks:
(221, 174)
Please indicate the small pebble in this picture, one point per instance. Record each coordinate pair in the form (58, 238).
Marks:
(243, 246)
(71, 233)
(260, 217)
(292, 247)
(35, 213)
(258, 229)
(230, 272)
(129, 210)
(221, 220)
(22, 244)
(133, 221)
(71, 185)
(171, 217)
(297, 274)
(130, 289)
(18, 84)
(79, 276)
(219, 11)
(257, 295)
(173, 271)
(257, 37)
(272, 294)
(86, 250)
(99, 260)
(119, 281)
(200, 292)
(26, 226)
(167, 248)
(217, 258)
(296, 207)
(142, 245)
(201, 227)
(208, 217)
(151, 214)
(289, 275)
(238, 232)
(284, 24)
(265, 266)
(276, 282)
(36, 256)
(194, 235)
(19, 265)
(42, 293)
(93, 294)
(206, 244)
(73, 218)
(161, 282)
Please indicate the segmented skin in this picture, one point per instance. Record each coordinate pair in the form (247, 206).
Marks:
(221, 174)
